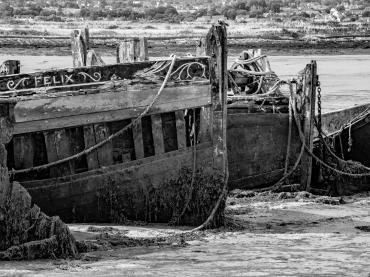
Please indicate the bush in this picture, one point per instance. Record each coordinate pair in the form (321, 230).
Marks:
(149, 27)
(112, 27)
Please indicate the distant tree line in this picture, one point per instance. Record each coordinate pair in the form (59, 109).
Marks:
(53, 9)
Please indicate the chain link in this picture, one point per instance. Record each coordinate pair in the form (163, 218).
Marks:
(319, 126)
(319, 105)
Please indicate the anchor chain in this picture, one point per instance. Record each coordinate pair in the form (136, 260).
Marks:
(319, 126)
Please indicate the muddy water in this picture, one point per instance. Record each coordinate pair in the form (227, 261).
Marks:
(345, 79)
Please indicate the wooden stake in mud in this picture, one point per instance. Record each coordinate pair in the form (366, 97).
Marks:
(200, 51)
(216, 48)
(309, 90)
(132, 50)
(10, 67)
(93, 58)
(79, 46)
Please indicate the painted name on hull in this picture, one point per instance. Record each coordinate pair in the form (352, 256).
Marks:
(184, 69)
(56, 80)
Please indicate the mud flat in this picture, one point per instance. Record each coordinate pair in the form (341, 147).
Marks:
(268, 234)
(181, 47)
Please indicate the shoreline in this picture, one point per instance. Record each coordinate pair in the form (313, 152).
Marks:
(270, 48)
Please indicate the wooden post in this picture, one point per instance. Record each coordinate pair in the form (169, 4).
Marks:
(132, 50)
(309, 90)
(10, 67)
(93, 58)
(200, 51)
(216, 48)
(80, 46)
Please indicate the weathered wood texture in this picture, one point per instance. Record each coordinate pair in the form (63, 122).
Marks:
(89, 139)
(333, 122)
(132, 50)
(201, 48)
(10, 67)
(26, 84)
(105, 152)
(138, 139)
(309, 90)
(216, 48)
(180, 129)
(93, 58)
(353, 144)
(115, 103)
(157, 134)
(257, 146)
(63, 196)
(58, 147)
(80, 46)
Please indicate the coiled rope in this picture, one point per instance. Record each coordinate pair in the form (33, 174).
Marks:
(101, 143)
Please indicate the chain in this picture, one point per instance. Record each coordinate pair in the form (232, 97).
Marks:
(319, 125)
(319, 107)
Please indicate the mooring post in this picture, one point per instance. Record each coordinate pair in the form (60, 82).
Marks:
(216, 48)
(200, 51)
(10, 67)
(309, 90)
(133, 50)
(79, 46)
(93, 58)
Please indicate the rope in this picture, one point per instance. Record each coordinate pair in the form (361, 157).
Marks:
(253, 73)
(215, 208)
(336, 156)
(301, 135)
(289, 132)
(249, 61)
(87, 151)
(298, 160)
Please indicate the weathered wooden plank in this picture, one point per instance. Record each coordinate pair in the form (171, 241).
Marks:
(157, 131)
(335, 121)
(58, 147)
(65, 77)
(143, 49)
(123, 145)
(257, 144)
(137, 133)
(93, 58)
(132, 50)
(77, 144)
(10, 67)
(180, 129)
(169, 131)
(105, 152)
(79, 120)
(309, 91)
(205, 123)
(110, 100)
(89, 139)
(69, 76)
(23, 151)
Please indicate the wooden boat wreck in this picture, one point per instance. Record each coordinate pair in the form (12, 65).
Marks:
(158, 141)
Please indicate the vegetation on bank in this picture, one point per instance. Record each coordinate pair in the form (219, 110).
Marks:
(141, 10)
